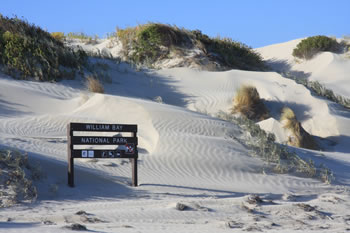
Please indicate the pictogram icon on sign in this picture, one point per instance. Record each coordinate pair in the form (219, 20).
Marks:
(129, 148)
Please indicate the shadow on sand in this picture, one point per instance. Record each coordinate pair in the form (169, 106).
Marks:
(275, 108)
(283, 66)
(340, 168)
(89, 183)
(126, 82)
(7, 109)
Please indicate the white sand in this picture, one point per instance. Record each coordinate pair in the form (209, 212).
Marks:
(185, 156)
(327, 68)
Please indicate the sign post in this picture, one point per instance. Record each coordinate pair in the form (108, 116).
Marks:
(119, 146)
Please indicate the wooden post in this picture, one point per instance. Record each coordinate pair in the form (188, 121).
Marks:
(134, 172)
(134, 165)
(70, 157)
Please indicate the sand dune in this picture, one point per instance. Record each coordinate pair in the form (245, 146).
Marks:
(186, 154)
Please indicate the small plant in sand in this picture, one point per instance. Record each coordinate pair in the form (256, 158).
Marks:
(299, 137)
(310, 46)
(94, 85)
(248, 103)
(15, 179)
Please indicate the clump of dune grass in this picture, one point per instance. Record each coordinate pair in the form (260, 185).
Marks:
(248, 103)
(58, 36)
(299, 137)
(94, 85)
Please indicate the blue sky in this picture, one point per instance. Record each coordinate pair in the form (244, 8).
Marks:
(254, 22)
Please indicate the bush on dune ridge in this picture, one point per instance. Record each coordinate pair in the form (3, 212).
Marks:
(148, 43)
(28, 51)
(310, 46)
(232, 54)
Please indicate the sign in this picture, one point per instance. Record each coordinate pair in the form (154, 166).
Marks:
(103, 127)
(120, 147)
(83, 140)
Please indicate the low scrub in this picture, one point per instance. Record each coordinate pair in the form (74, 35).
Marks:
(230, 53)
(148, 43)
(320, 90)
(299, 137)
(83, 37)
(248, 103)
(16, 178)
(94, 85)
(278, 157)
(310, 46)
(28, 51)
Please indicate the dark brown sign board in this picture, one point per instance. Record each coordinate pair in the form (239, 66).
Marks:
(126, 147)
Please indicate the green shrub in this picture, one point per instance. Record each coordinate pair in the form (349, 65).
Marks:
(28, 51)
(145, 44)
(150, 42)
(310, 46)
(232, 54)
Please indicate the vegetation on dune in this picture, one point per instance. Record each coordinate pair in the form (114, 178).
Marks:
(58, 36)
(310, 46)
(299, 137)
(28, 51)
(230, 53)
(279, 158)
(94, 85)
(319, 89)
(83, 37)
(248, 103)
(16, 178)
(151, 42)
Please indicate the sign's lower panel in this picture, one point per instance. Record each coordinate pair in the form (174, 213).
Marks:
(103, 154)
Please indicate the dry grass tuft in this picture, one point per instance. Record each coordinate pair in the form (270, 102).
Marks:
(299, 137)
(94, 85)
(58, 36)
(247, 102)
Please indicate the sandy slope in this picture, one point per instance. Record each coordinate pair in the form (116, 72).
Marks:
(328, 68)
(185, 156)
